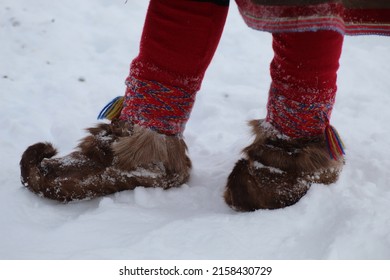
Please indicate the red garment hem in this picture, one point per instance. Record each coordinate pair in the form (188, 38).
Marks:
(276, 19)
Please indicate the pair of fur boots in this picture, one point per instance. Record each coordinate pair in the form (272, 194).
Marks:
(274, 172)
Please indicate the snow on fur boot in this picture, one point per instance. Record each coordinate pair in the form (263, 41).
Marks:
(277, 171)
(113, 157)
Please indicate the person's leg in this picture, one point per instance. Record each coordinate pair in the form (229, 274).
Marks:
(142, 146)
(295, 145)
(303, 89)
(178, 42)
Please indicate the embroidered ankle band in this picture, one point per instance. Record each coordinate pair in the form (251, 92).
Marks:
(162, 108)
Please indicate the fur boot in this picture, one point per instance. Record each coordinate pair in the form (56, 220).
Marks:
(113, 157)
(276, 171)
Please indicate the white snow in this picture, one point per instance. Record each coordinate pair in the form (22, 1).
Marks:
(62, 61)
(259, 165)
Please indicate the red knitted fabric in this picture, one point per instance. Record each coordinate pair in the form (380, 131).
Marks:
(178, 42)
(158, 107)
(303, 88)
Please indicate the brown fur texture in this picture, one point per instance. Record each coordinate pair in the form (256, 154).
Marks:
(113, 157)
(148, 146)
(276, 172)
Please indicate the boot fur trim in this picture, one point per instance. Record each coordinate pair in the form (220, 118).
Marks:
(291, 155)
(145, 146)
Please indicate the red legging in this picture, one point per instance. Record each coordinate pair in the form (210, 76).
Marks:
(304, 74)
(178, 42)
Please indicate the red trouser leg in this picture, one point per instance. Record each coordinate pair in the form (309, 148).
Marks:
(178, 42)
(303, 89)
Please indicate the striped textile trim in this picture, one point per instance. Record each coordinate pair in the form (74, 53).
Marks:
(316, 17)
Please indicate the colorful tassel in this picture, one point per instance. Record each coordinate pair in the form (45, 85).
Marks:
(112, 110)
(335, 144)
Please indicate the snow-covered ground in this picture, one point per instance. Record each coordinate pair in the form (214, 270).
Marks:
(61, 61)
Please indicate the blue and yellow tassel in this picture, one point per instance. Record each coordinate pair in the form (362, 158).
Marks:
(112, 110)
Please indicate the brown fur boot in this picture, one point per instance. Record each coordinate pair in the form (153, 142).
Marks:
(113, 157)
(276, 172)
